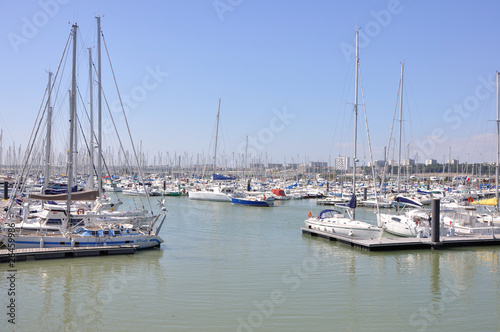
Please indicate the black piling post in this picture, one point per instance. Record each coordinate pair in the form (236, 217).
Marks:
(365, 193)
(435, 206)
(164, 185)
(5, 190)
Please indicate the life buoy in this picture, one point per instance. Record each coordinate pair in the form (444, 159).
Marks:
(470, 200)
(310, 214)
(80, 211)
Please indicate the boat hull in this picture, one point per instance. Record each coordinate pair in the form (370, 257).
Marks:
(346, 227)
(402, 226)
(209, 196)
(248, 202)
(60, 241)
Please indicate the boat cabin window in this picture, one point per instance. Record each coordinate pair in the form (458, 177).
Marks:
(396, 219)
(57, 222)
(76, 221)
(93, 233)
(330, 214)
(117, 232)
(105, 232)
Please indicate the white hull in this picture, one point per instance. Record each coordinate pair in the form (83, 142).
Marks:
(59, 241)
(401, 225)
(482, 230)
(346, 227)
(209, 196)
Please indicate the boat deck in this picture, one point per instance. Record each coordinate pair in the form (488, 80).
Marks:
(387, 244)
(49, 253)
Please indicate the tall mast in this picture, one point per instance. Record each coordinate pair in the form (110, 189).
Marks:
(71, 127)
(91, 170)
(75, 143)
(99, 110)
(498, 141)
(355, 121)
(400, 127)
(48, 137)
(246, 156)
(216, 136)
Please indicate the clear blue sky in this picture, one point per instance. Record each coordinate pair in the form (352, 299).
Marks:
(282, 69)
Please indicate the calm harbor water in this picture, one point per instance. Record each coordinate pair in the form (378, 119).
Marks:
(234, 268)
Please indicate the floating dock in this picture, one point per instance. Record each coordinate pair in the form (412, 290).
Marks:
(50, 253)
(402, 243)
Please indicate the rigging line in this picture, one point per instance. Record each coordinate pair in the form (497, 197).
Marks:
(390, 136)
(34, 133)
(409, 87)
(56, 99)
(126, 159)
(206, 160)
(87, 143)
(368, 137)
(125, 155)
(126, 122)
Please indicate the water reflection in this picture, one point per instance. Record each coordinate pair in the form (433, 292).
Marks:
(73, 294)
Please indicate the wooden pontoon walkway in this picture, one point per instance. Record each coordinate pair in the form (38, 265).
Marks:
(47, 253)
(386, 244)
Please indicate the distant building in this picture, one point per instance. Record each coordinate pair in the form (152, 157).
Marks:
(302, 168)
(275, 166)
(378, 163)
(453, 162)
(318, 164)
(430, 162)
(408, 162)
(342, 163)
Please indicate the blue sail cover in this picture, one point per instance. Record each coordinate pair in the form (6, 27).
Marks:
(61, 188)
(328, 213)
(423, 191)
(218, 177)
(408, 201)
(352, 202)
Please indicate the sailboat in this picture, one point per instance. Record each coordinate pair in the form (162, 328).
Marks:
(414, 222)
(83, 228)
(217, 193)
(335, 221)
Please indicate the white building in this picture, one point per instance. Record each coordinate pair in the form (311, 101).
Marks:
(342, 163)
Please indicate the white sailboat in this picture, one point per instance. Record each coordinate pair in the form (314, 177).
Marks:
(412, 223)
(334, 221)
(217, 193)
(65, 228)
